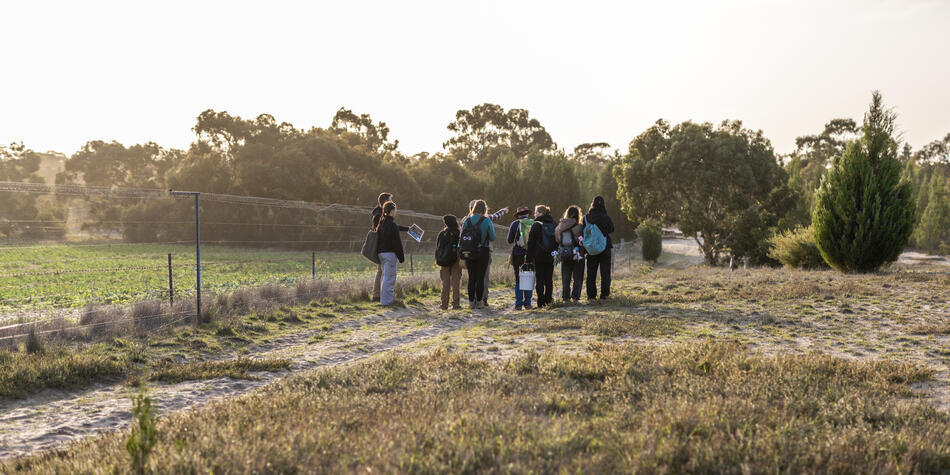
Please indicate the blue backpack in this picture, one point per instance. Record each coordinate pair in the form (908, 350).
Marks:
(594, 240)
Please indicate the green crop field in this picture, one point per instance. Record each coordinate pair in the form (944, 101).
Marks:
(64, 275)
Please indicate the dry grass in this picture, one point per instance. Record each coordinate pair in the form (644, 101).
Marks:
(238, 369)
(708, 407)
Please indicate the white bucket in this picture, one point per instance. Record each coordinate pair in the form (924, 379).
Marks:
(526, 280)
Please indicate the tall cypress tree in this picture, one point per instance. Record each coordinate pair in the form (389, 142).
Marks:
(864, 213)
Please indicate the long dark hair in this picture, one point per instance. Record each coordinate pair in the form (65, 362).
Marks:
(451, 223)
(389, 207)
(598, 203)
(574, 212)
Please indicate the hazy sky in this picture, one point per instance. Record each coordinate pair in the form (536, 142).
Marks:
(589, 71)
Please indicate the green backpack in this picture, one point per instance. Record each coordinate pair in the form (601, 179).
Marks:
(522, 241)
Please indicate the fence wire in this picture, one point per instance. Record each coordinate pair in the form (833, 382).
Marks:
(90, 254)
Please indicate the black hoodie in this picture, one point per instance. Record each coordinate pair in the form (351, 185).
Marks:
(450, 234)
(388, 238)
(597, 215)
(536, 250)
(377, 212)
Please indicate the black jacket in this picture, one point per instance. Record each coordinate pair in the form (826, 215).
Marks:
(387, 239)
(599, 217)
(377, 212)
(536, 250)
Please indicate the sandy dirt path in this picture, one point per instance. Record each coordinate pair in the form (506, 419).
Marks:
(53, 418)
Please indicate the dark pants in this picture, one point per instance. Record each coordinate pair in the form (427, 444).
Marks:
(522, 296)
(477, 266)
(572, 271)
(601, 260)
(544, 281)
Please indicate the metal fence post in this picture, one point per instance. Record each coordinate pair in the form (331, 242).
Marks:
(197, 196)
(171, 283)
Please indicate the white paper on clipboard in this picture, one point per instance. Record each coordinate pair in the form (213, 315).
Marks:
(415, 232)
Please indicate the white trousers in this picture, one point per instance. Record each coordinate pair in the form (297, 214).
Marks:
(387, 288)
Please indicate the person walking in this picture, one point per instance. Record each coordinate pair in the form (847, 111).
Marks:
(570, 233)
(447, 257)
(389, 250)
(493, 217)
(477, 264)
(542, 245)
(518, 238)
(374, 218)
(597, 216)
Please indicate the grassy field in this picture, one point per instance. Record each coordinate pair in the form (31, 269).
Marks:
(684, 370)
(63, 276)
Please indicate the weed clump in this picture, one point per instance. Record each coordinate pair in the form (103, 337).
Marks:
(144, 433)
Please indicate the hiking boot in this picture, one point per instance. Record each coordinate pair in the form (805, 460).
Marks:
(472, 305)
(527, 306)
(518, 307)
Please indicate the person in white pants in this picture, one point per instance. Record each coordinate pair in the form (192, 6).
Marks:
(390, 252)
(389, 263)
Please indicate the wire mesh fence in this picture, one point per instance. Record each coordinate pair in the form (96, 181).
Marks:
(101, 250)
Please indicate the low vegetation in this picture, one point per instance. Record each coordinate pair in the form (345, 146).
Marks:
(62, 276)
(796, 248)
(237, 369)
(707, 407)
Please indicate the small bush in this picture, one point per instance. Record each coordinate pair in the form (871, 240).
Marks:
(147, 315)
(796, 248)
(144, 432)
(33, 343)
(103, 321)
(651, 237)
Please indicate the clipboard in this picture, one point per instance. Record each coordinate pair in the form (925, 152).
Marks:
(415, 232)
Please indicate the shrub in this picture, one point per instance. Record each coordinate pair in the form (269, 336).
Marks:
(651, 237)
(864, 213)
(33, 343)
(796, 248)
(144, 432)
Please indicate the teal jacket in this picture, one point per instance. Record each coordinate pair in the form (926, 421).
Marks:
(486, 227)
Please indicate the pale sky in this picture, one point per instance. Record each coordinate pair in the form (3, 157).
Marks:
(589, 71)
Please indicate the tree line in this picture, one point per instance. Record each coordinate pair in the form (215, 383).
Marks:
(722, 185)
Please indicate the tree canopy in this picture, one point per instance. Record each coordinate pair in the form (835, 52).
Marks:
(722, 185)
(484, 128)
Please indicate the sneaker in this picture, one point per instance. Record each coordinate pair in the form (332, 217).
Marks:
(472, 305)
(518, 307)
(444, 307)
(456, 307)
(527, 306)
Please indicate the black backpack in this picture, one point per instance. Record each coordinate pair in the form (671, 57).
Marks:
(548, 241)
(471, 239)
(447, 253)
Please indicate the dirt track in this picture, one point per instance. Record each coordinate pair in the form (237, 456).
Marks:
(53, 418)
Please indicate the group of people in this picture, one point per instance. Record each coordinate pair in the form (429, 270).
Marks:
(538, 243)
